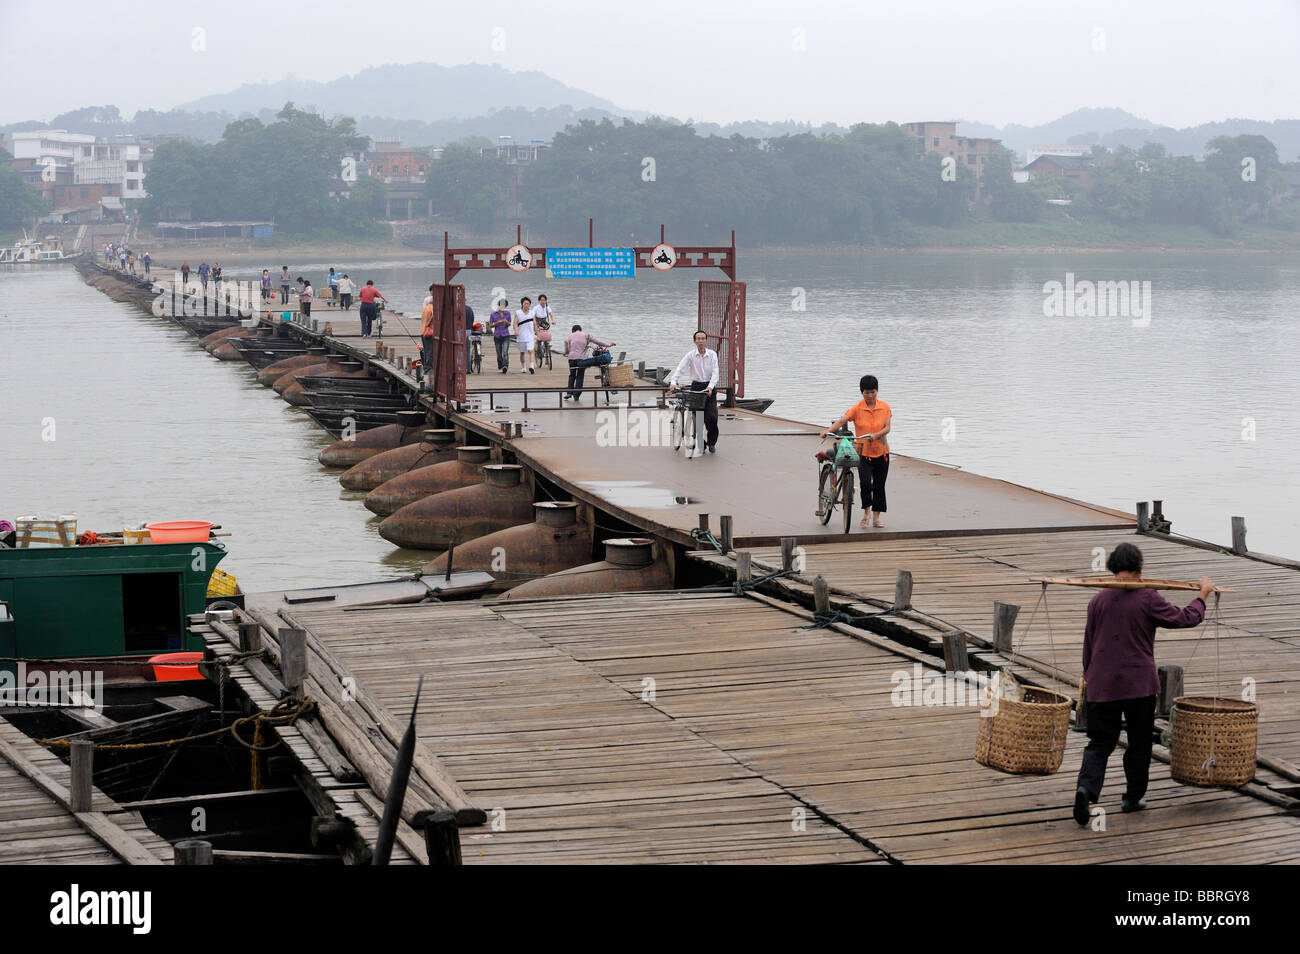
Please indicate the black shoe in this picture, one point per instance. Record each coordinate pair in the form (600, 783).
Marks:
(1127, 805)
(710, 448)
(1081, 800)
(532, 370)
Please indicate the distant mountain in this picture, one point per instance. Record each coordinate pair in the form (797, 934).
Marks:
(1116, 127)
(414, 91)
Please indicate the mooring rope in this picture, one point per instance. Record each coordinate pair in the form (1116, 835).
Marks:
(740, 589)
(284, 712)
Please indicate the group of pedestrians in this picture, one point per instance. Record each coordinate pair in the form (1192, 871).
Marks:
(207, 273)
(120, 255)
(527, 323)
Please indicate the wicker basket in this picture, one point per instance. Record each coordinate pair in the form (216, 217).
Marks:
(1027, 737)
(1212, 741)
(620, 376)
(694, 400)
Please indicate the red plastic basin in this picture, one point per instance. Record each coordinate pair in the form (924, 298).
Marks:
(174, 673)
(179, 531)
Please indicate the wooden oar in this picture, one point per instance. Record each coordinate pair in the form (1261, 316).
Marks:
(1110, 583)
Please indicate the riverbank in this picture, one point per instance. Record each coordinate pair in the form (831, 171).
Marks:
(1058, 234)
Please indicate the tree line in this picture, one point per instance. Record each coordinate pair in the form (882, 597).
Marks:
(290, 172)
(867, 185)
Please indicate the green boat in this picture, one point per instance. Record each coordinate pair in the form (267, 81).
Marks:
(104, 600)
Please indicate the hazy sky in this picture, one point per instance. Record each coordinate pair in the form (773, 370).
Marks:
(1177, 63)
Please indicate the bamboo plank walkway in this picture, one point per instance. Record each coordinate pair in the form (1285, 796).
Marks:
(36, 828)
(537, 707)
(957, 580)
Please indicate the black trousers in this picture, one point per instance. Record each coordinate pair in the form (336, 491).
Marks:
(345, 301)
(306, 309)
(1103, 735)
(427, 344)
(872, 472)
(503, 352)
(284, 294)
(577, 375)
(367, 316)
(710, 413)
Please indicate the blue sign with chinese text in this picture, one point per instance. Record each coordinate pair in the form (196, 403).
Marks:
(591, 262)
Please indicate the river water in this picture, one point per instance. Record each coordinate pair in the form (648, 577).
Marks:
(121, 417)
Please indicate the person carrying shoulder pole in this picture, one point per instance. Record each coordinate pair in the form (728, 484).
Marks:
(872, 420)
(702, 364)
(1119, 671)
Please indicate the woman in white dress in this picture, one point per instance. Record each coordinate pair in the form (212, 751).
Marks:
(526, 336)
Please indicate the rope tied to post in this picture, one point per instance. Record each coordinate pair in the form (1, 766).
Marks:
(740, 589)
(703, 536)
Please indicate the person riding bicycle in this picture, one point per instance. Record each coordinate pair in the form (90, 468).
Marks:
(872, 420)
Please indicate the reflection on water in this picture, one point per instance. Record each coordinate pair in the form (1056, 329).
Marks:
(1195, 409)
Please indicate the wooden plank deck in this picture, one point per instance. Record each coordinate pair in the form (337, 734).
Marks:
(538, 709)
(957, 580)
(577, 768)
(36, 828)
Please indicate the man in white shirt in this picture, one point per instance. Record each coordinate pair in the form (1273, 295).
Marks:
(702, 365)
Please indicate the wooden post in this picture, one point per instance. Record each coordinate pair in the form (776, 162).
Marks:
(250, 637)
(821, 595)
(660, 374)
(725, 529)
(83, 775)
(744, 566)
(1239, 535)
(192, 852)
(903, 591)
(704, 523)
(954, 652)
(442, 839)
(519, 428)
(293, 659)
(640, 369)
(1081, 713)
(787, 553)
(1004, 623)
(1171, 687)
(328, 831)
(1144, 515)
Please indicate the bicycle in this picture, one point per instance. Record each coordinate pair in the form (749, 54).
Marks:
(835, 485)
(476, 353)
(544, 352)
(683, 406)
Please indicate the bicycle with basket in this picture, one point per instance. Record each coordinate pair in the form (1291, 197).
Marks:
(684, 406)
(835, 480)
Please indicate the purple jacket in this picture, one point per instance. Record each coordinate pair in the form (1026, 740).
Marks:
(1119, 660)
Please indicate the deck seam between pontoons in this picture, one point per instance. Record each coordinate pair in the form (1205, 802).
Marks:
(695, 733)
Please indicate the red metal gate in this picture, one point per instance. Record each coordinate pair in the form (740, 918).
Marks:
(722, 318)
(448, 376)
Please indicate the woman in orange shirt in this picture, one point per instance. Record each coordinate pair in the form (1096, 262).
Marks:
(871, 422)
